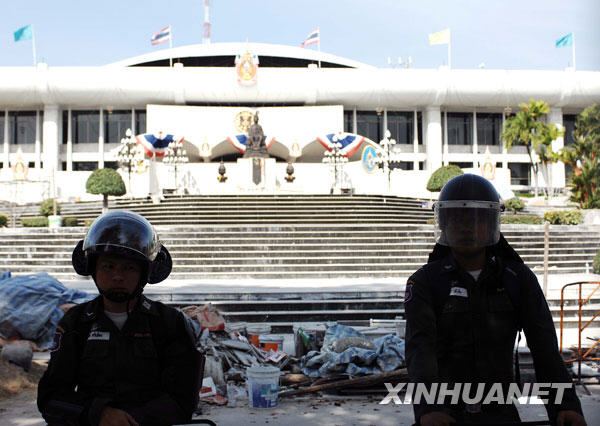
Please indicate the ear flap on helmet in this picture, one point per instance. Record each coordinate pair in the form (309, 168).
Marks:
(161, 266)
(79, 260)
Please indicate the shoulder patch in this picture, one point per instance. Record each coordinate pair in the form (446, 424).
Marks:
(408, 293)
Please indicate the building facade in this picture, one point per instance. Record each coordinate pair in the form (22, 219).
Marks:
(64, 122)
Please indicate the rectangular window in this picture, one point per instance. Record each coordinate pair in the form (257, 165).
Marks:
(111, 165)
(140, 121)
(489, 126)
(2, 127)
(85, 166)
(462, 165)
(368, 124)
(460, 128)
(65, 127)
(569, 126)
(115, 125)
(85, 126)
(401, 125)
(348, 121)
(22, 127)
(519, 174)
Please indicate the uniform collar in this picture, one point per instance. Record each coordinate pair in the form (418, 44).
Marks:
(146, 306)
(96, 306)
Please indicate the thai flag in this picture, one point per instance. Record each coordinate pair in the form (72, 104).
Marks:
(350, 142)
(156, 144)
(161, 36)
(239, 142)
(312, 38)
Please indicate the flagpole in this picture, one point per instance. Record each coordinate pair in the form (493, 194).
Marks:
(319, 45)
(170, 46)
(573, 51)
(449, 50)
(33, 45)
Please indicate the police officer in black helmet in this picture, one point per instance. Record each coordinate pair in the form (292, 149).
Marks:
(121, 359)
(465, 307)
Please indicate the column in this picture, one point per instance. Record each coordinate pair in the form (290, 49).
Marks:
(433, 138)
(474, 139)
(69, 141)
(6, 156)
(504, 150)
(50, 139)
(445, 156)
(101, 141)
(133, 129)
(557, 170)
(354, 123)
(415, 138)
(37, 147)
(385, 125)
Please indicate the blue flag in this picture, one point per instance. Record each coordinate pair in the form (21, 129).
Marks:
(25, 33)
(565, 41)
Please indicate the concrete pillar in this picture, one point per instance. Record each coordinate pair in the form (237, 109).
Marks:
(6, 157)
(50, 138)
(69, 141)
(445, 155)
(504, 150)
(432, 124)
(101, 141)
(133, 129)
(37, 147)
(415, 138)
(354, 122)
(474, 139)
(557, 169)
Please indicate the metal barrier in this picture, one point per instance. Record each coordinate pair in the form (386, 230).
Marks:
(580, 302)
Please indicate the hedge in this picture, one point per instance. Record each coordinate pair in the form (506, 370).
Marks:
(514, 205)
(88, 222)
(563, 217)
(47, 207)
(597, 263)
(525, 219)
(34, 222)
(3, 220)
(441, 176)
(70, 221)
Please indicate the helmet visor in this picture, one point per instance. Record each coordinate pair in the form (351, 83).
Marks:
(468, 224)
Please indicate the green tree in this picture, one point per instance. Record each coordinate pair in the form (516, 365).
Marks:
(441, 176)
(584, 157)
(106, 182)
(47, 207)
(527, 127)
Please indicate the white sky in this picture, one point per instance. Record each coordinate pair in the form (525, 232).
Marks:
(502, 34)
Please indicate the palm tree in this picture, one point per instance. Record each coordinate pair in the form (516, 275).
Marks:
(527, 127)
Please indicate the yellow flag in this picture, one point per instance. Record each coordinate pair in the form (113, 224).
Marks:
(443, 37)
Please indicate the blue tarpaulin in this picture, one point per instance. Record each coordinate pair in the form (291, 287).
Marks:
(387, 356)
(29, 306)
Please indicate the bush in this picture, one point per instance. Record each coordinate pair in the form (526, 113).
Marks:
(70, 221)
(3, 220)
(596, 265)
(514, 205)
(563, 217)
(105, 182)
(47, 207)
(441, 176)
(524, 219)
(34, 222)
(88, 222)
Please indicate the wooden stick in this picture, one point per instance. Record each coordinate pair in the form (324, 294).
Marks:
(397, 375)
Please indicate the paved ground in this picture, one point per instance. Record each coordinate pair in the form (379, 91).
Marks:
(317, 410)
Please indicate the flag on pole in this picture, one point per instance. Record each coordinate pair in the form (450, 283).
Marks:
(442, 37)
(25, 33)
(311, 38)
(565, 41)
(161, 36)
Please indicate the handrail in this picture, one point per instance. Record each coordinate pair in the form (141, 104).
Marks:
(580, 328)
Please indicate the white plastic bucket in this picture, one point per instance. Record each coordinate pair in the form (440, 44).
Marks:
(263, 385)
(255, 330)
(270, 342)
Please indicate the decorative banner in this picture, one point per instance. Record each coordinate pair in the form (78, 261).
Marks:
(350, 142)
(246, 67)
(156, 144)
(368, 159)
(239, 142)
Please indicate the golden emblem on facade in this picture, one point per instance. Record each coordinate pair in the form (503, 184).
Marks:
(243, 121)
(246, 67)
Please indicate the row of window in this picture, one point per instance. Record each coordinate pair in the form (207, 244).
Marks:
(85, 125)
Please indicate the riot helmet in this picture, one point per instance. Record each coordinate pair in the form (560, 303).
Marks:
(128, 235)
(467, 213)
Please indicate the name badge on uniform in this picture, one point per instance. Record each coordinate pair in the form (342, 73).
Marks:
(99, 335)
(459, 291)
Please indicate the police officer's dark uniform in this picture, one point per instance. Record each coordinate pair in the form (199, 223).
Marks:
(149, 368)
(462, 330)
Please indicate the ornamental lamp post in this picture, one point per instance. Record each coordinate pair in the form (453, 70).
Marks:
(126, 155)
(174, 156)
(386, 156)
(336, 160)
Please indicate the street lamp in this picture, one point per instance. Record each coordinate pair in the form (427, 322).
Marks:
(336, 160)
(174, 156)
(386, 156)
(126, 157)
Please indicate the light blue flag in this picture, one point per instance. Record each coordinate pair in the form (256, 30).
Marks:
(565, 41)
(25, 33)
